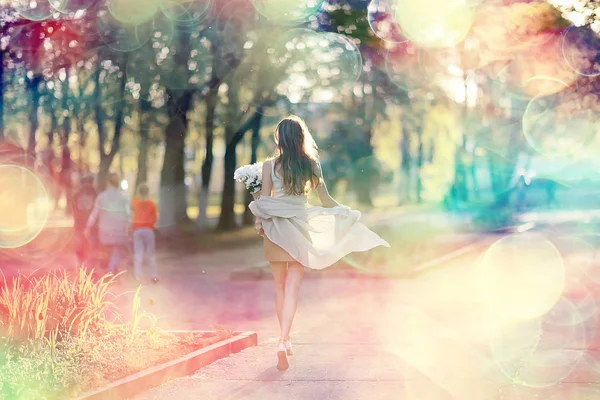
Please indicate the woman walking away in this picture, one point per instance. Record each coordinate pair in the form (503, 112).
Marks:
(144, 220)
(296, 235)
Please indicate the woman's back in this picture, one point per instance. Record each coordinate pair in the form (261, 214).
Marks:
(279, 189)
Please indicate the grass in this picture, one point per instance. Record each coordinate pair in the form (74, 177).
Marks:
(63, 335)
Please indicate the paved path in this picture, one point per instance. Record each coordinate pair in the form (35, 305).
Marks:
(429, 338)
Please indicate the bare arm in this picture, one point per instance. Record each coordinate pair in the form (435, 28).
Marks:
(324, 196)
(267, 179)
(93, 216)
(265, 190)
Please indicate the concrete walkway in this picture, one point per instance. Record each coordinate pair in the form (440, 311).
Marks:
(430, 338)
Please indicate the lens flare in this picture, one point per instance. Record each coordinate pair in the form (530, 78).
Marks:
(287, 12)
(316, 66)
(434, 23)
(24, 206)
(133, 12)
(558, 125)
(540, 352)
(71, 6)
(511, 270)
(122, 37)
(577, 255)
(33, 10)
(580, 51)
(581, 392)
(186, 12)
(540, 69)
(433, 350)
(404, 69)
(381, 21)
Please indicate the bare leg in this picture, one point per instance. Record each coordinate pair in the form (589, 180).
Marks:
(279, 270)
(292, 289)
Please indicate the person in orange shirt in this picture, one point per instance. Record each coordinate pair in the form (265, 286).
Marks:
(144, 220)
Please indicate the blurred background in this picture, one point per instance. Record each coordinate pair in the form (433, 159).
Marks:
(465, 131)
(483, 107)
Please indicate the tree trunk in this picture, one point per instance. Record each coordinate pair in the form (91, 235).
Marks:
(173, 192)
(473, 174)
(106, 159)
(419, 183)
(227, 217)
(207, 164)
(255, 141)
(364, 177)
(144, 144)
(227, 220)
(33, 85)
(2, 136)
(53, 126)
(142, 167)
(460, 173)
(502, 190)
(82, 140)
(66, 123)
(405, 163)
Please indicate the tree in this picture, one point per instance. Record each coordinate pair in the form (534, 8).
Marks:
(254, 143)
(145, 124)
(103, 69)
(209, 132)
(1, 95)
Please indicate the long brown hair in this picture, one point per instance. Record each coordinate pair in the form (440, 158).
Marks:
(297, 153)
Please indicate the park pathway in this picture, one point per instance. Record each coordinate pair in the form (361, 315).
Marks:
(428, 338)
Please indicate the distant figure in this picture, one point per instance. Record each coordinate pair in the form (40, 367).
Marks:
(64, 177)
(551, 193)
(46, 170)
(521, 192)
(144, 221)
(83, 205)
(113, 213)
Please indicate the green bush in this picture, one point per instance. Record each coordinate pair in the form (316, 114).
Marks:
(59, 335)
(37, 308)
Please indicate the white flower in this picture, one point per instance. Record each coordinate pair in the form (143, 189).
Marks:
(250, 176)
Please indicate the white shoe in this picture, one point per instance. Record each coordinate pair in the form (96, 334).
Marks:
(283, 362)
(288, 347)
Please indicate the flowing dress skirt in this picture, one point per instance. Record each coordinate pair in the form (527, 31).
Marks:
(316, 237)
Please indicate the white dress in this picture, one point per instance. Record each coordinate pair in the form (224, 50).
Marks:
(316, 237)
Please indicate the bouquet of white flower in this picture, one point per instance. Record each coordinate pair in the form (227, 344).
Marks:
(251, 176)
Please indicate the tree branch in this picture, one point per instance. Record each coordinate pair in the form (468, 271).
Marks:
(98, 110)
(119, 118)
(246, 126)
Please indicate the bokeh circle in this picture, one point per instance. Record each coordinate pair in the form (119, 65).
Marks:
(186, 12)
(382, 22)
(540, 352)
(558, 125)
(579, 48)
(122, 37)
(133, 12)
(512, 270)
(24, 206)
(71, 6)
(33, 10)
(434, 23)
(287, 12)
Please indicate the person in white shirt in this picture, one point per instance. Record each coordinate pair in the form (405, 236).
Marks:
(112, 212)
